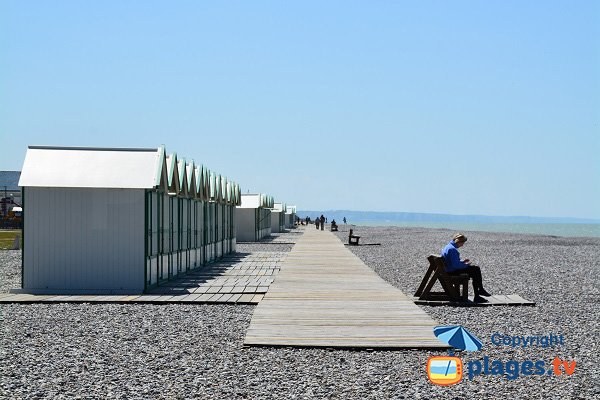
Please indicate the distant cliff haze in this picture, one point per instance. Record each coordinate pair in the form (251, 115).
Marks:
(374, 216)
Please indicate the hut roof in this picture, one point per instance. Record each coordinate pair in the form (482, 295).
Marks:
(88, 167)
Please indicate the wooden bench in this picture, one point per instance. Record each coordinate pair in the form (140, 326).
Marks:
(450, 283)
(353, 239)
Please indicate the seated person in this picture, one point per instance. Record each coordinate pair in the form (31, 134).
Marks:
(334, 226)
(456, 266)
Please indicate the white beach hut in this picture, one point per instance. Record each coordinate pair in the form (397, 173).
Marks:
(253, 217)
(290, 217)
(101, 220)
(278, 217)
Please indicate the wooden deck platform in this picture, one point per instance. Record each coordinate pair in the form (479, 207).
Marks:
(239, 298)
(240, 278)
(495, 300)
(325, 296)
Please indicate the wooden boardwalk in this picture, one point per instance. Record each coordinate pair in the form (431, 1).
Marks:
(325, 296)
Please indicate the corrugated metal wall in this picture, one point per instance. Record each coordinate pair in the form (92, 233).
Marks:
(245, 224)
(84, 239)
(277, 221)
(263, 216)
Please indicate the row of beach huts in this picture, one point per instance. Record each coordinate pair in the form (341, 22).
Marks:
(106, 220)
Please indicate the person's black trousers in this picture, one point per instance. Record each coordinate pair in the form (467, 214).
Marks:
(474, 273)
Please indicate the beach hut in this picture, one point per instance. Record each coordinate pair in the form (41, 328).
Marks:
(253, 217)
(278, 218)
(290, 217)
(102, 220)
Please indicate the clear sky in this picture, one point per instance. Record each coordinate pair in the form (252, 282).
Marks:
(472, 107)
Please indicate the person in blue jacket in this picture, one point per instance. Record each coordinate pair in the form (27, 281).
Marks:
(456, 266)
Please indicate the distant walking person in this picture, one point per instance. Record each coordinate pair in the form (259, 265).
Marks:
(317, 220)
(456, 266)
(344, 219)
(322, 222)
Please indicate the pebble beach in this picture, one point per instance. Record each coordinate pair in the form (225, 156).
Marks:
(147, 351)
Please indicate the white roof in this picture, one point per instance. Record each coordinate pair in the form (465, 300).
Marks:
(89, 167)
(250, 201)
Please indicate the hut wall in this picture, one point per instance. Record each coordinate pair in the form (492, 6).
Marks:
(290, 220)
(263, 220)
(232, 225)
(277, 221)
(245, 224)
(84, 239)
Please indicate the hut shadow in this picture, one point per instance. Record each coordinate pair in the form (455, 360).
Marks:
(196, 279)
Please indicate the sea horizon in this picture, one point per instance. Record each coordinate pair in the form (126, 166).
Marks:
(552, 226)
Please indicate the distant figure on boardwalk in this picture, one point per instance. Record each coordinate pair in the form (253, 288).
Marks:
(317, 220)
(344, 219)
(334, 227)
(322, 222)
(456, 266)
(307, 220)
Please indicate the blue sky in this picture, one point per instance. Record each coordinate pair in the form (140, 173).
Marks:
(427, 106)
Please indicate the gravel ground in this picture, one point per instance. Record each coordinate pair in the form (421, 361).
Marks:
(196, 351)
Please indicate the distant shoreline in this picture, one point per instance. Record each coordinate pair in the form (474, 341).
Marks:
(401, 217)
(547, 229)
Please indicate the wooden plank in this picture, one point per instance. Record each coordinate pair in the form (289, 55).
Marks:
(245, 298)
(130, 298)
(145, 298)
(257, 298)
(163, 299)
(19, 298)
(495, 300)
(521, 301)
(235, 297)
(204, 297)
(225, 298)
(214, 297)
(62, 298)
(82, 298)
(178, 299)
(191, 298)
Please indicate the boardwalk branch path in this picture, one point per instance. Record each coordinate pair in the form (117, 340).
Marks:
(325, 296)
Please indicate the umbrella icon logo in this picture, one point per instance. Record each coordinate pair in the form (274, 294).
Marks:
(458, 337)
(447, 370)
